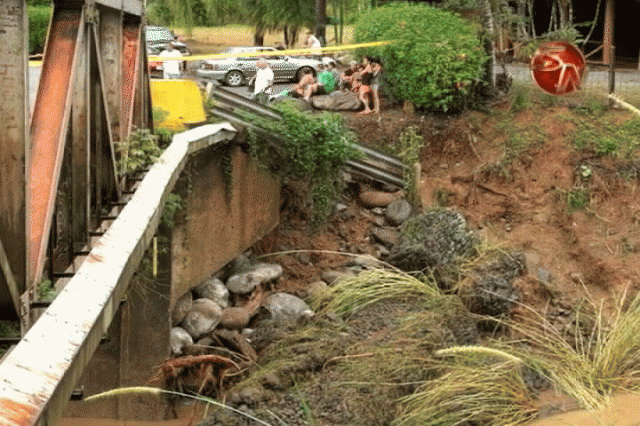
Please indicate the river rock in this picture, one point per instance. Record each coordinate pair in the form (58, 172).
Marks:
(398, 211)
(331, 277)
(377, 198)
(246, 282)
(178, 339)
(287, 308)
(203, 317)
(182, 306)
(235, 318)
(213, 289)
(385, 236)
(316, 288)
(366, 261)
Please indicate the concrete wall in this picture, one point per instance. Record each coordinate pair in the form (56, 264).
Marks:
(219, 223)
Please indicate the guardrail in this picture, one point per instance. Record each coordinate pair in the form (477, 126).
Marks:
(40, 373)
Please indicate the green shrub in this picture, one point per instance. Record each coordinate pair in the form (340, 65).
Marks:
(39, 17)
(435, 59)
(309, 148)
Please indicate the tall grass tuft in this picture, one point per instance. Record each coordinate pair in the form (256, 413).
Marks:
(597, 357)
(351, 295)
(472, 389)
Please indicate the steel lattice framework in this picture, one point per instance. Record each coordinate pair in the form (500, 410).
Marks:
(58, 162)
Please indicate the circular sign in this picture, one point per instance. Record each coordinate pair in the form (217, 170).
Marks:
(558, 67)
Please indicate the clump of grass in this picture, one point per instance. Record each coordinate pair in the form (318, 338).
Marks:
(599, 356)
(474, 389)
(353, 294)
(607, 134)
(578, 199)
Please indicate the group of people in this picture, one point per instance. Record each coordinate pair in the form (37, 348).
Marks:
(324, 83)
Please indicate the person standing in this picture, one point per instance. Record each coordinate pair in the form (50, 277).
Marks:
(171, 66)
(313, 43)
(376, 69)
(264, 81)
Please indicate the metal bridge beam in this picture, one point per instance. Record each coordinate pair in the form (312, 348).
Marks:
(14, 158)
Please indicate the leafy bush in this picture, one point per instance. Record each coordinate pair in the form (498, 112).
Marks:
(310, 148)
(139, 150)
(435, 58)
(39, 17)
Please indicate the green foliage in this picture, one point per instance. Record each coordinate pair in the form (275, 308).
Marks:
(39, 17)
(139, 150)
(603, 133)
(409, 145)
(578, 199)
(435, 59)
(46, 291)
(310, 148)
(172, 205)
(9, 328)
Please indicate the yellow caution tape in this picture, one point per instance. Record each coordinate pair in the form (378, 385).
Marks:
(290, 52)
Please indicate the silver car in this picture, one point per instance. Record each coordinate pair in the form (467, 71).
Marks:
(239, 70)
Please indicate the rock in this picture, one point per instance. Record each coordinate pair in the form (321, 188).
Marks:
(182, 306)
(398, 211)
(213, 289)
(385, 236)
(178, 339)
(378, 221)
(331, 277)
(287, 308)
(492, 292)
(337, 101)
(341, 207)
(381, 251)
(235, 318)
(203, 317)
(304, 258)
(434, 240)
(252, 395)
(378, 198)
(272, 381)
(316, 288)
(366, 261)
(492, 296)
(377, 210)
(246, 282)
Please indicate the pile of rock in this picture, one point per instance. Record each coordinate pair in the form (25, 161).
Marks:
(215, 305)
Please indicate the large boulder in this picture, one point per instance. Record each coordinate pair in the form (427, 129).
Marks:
(337, 101)
(181, 308)
(203, 318)
(213, 289)
(492, 292)
(398, 211)
(286, 308)
(246, 282)
(432, 241)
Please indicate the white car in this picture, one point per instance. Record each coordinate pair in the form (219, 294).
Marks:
(235, 71)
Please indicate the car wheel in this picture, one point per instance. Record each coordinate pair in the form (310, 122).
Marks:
(302, 71)
(234, 78)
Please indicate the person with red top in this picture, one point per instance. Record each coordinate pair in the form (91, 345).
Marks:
(364, 90)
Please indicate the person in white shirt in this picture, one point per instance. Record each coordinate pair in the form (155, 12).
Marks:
(171, 67)
(312, 42)
(264, 81)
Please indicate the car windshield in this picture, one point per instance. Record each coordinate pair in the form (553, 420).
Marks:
(159, 34)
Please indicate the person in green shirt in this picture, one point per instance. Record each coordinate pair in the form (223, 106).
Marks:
(322, 85)
(326, 78)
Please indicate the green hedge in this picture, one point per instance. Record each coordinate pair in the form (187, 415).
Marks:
(38, 23)
(435, 59)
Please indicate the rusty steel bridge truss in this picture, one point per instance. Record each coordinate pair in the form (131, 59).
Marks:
(59, 176)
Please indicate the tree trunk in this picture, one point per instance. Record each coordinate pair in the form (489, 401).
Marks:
(258, 35)
(321, 18)
(489, 28)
